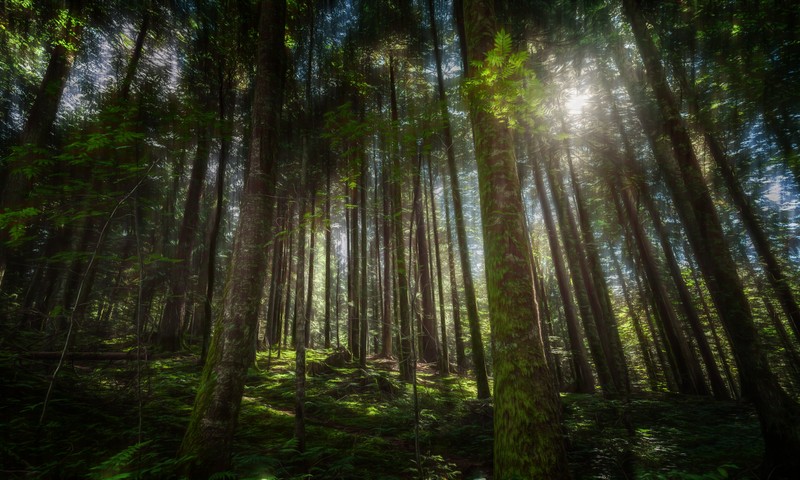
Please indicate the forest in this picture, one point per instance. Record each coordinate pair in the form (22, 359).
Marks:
(389, 239)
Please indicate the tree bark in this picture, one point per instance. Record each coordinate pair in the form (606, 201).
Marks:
(527, 434)
(209, 437)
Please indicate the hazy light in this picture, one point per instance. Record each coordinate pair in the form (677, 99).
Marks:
(576, 101)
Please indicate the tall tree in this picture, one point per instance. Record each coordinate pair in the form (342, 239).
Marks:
(778, 413)
(402, 298)
(14, 182)
(476, 341)
(584, 380)
(209, 437)
(527, 437)
(429, 349)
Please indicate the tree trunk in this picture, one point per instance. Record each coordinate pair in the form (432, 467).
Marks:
(429, 348)
(311, 247)
(363, 328)
(774, 272)
(169, 332)
(272, 332)
(15, 184)
(461, 357)
(579, 274)
(636, 320)
(386, 327)
(216, 221)
(444, 363)
(527, 433)
(328, 248)
(209, 437)
(584, 380)
(688, 373)
(476, 341)
(405, 358)
(608, 326)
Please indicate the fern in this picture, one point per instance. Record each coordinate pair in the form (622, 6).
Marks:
(117, 463)
(503, 86)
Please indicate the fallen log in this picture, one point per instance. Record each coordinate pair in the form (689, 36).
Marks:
(95, 356)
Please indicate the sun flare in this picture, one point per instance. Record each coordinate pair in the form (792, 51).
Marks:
(576, 101)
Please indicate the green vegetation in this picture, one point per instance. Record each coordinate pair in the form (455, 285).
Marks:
(360, 424)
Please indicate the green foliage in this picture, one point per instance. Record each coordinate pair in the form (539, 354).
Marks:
(504, 86)
(355, 429)
(15, 221)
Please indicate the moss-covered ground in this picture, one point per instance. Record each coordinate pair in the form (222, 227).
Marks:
(103, 421)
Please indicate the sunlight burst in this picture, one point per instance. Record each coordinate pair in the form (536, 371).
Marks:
(576, 101)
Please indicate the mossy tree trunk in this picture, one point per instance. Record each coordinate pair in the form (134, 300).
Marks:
(209, 437)
(527, 432)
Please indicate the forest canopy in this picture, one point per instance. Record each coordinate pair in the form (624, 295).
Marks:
(252, 221)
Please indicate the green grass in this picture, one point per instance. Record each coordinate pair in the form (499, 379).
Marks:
(360, 424)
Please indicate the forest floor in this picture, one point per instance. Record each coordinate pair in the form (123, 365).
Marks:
(102, 423)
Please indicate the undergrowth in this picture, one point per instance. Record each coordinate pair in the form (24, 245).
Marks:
(360, 424)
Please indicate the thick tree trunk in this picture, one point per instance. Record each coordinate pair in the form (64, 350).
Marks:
(778, 413)
(527, 433)
(209, 437)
